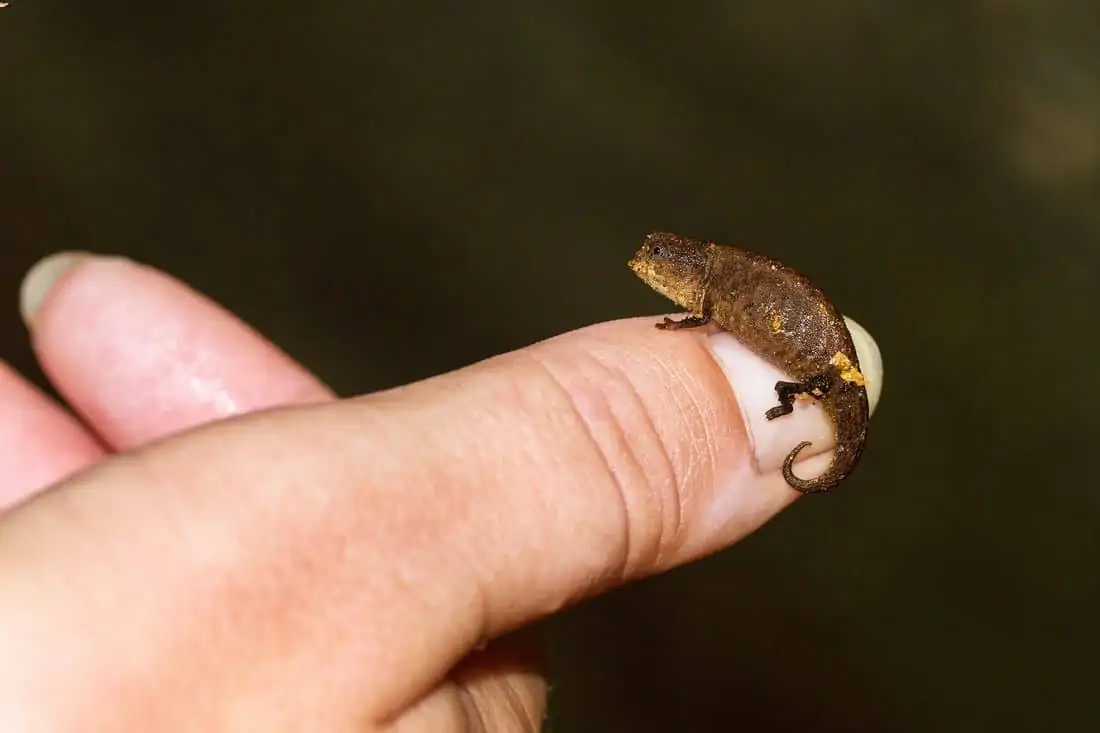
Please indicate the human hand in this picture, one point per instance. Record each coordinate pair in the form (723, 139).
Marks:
(336, 565)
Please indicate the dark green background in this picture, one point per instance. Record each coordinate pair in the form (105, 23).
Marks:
(394, 189)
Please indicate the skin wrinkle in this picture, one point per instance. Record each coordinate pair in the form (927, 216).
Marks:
(475, 721)
(525, 395)
(622, 564)
(667, 451)
(480, 696)
(506, 703)
(653, 491)
(659, 499)
(705, 412)
(687, 383)
(510, 705)
(672, 523)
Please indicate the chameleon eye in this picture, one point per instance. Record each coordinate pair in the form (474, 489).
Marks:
(657, 250)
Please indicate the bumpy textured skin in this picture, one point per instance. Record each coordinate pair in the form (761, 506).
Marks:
(778, 314)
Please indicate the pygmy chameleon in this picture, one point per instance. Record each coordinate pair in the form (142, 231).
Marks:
(781, 317)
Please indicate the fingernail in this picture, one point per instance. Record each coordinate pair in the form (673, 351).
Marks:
(753, 381)
(41, 278)
(870, 360)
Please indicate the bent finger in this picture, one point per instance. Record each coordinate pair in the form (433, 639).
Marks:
(140, 355)
(499, 688)
(40, 443)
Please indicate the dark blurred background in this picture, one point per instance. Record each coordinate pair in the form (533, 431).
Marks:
(394, 189)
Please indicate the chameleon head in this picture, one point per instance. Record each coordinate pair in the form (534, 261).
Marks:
(673, 266)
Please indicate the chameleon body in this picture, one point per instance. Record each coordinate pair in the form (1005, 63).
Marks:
(781, 317)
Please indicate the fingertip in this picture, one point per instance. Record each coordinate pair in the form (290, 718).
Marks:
(753, 380)
(139, 354)
(40, 279)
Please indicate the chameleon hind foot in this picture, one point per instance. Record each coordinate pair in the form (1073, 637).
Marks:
(816, 386)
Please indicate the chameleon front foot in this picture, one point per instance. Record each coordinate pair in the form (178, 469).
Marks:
(670, 324)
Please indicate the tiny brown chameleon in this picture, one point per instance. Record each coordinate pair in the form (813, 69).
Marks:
(781, 317)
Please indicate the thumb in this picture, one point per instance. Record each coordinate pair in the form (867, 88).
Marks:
(365, 546)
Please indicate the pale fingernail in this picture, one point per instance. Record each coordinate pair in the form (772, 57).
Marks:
(870, 360)
(753, 381)
(41, 278)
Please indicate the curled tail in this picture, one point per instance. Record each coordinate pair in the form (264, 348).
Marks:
(842, 464)
(848, 411)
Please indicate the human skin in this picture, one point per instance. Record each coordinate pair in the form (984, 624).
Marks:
(215, 542)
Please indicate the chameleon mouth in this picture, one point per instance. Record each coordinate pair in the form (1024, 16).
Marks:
(638, 263)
